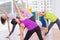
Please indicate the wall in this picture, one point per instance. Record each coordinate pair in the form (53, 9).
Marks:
(57, 8)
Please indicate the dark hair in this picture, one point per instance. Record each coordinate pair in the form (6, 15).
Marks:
(17, 17)
(43, 12)
(13, 22)
(3, 20)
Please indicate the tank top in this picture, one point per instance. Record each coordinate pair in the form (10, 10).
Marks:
(29, 24)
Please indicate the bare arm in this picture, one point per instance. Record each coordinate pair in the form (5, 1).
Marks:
(41, 14)
(21, 31)
(5, 12)
(8, 25)
(27, 13)
(22, 3)
(21, 27)
(17, 8)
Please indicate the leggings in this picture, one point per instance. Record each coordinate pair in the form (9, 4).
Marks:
(12, 29)
(30, 32)
(32, 18)
(52, 23)
(13, 22)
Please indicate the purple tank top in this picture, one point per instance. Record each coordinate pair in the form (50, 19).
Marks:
(29, 24)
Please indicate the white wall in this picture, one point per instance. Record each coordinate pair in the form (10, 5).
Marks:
(4, 1)
(57, 8)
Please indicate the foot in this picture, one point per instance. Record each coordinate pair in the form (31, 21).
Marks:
(18, 34)
(7, 37)
(46, 33)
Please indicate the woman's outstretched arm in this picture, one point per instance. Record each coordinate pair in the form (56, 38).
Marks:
(22, 3)
(4, 12)
(21, 31)
(17, 8)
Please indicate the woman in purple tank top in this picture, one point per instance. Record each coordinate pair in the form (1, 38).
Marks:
(31, 26)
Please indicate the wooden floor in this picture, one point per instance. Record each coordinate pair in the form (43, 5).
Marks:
(56, 34)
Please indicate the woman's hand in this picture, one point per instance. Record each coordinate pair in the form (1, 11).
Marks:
(7, 36)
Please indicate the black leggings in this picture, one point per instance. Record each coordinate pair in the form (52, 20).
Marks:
(13, 22)
(32, 18)
(12, 29)
(29, 33)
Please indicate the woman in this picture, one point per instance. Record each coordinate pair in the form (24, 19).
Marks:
(24, 12)
(53, 18)
(30, 25)
(7, 17)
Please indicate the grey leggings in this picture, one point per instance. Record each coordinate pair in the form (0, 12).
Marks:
(52, 23)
